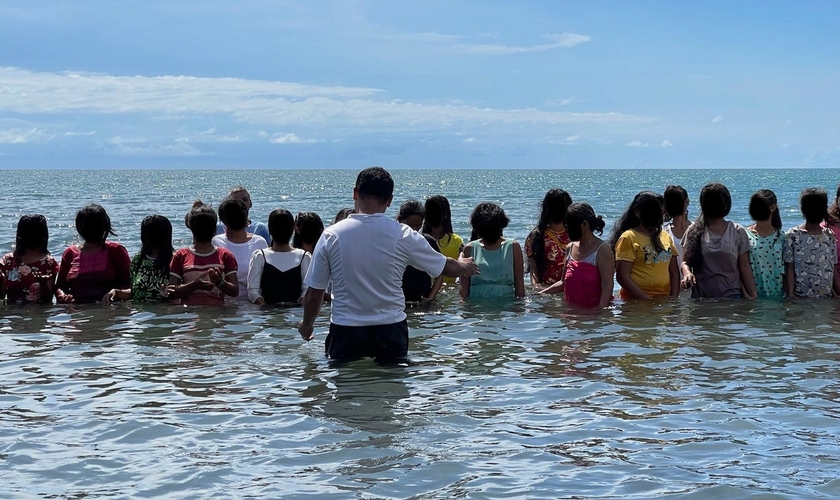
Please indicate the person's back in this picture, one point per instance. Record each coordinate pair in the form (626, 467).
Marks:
(368, 254)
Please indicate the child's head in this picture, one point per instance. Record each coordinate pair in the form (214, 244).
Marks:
(488, 220)
(93, 224)
(234, 214)
(343, 214)
(644, 211)
(308, 228)
(196, 204)
(675, 200)
(764, 206)
(814, 205)
(579, 218)
(375, 183)
(715, 201)
(32, 234)
(411, 214)
(553, 208)
(281, 226)
(155, 232)
(438, 214)
(202, 223)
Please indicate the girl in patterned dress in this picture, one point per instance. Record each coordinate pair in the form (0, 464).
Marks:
(149, 271)
(545, 247)
(767, 241)
(28, 274)
(811, 250)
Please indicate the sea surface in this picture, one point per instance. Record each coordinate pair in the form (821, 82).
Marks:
(502, 399)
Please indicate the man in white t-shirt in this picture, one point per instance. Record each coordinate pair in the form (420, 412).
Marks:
(366, 255)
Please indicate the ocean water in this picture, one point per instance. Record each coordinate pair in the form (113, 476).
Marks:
(526, 399)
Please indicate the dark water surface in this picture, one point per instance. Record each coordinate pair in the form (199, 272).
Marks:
(532, 399)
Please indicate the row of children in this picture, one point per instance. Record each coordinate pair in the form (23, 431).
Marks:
(649, 258)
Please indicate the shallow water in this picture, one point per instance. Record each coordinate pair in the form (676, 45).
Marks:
(687, 399)
(532, 399)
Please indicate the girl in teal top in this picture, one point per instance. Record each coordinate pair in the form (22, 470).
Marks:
(499, 260)
(767, 241)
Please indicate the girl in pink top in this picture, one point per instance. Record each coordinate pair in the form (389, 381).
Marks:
(590, 264)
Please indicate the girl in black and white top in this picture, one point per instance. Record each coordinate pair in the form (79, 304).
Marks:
(276, 274)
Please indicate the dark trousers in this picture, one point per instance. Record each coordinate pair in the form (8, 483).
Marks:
(385, 343)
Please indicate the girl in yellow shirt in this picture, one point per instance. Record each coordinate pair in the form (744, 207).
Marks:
(645, 256)
(438, 223)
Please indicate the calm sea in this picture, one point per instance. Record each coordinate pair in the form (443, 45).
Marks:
(678, 399)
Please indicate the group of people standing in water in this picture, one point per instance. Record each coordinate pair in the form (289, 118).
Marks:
(654, 251)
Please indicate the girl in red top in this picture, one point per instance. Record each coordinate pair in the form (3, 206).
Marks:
(28, 273)
(545, 247)
(91, 270)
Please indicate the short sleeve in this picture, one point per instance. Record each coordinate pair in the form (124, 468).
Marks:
(787, 253)
(176, 266)
(229, 262)
(671, 245)
(422, 256)
(743, 240)
(305, 261)
(121, 262)
(529, 243)
(625, 248)
(319, 273)
(262, 230)
(255, 271)
(53, 265)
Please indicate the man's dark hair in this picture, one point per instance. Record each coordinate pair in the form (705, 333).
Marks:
(375, 182)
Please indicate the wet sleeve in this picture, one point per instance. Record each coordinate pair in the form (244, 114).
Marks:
(229, 262)
(423, 257)
(625, 248)
(319, 273)
(529, 241)
(64, 269)
(787, 253)
(176, 266)
(304, 268)
(122, 266)
(743, 241)
(255, 271)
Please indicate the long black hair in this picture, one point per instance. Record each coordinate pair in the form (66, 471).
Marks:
(553, 209)
(577, 214)
(93, 224)
(674, 200)
(715, 203)
(308, 227)
(438, 213)
(649, 207)
(760, 204)
(156, 232)
(32, 233)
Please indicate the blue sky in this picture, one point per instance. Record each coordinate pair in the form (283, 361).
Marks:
(432, 84)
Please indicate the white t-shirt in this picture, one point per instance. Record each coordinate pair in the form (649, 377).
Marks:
(366, 256)
(242, 252)
(283, 261)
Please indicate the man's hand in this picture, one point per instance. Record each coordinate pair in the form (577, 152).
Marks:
(470, 266)
(306, 331)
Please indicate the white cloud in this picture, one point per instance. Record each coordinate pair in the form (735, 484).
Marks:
(178, 148)
(470, 139)
(560, 102)
(74, 133)
(23, 136)
(637, 144)
(290, 139)
(666, 144)
(278, 104)
(556, 41)
(717, 119)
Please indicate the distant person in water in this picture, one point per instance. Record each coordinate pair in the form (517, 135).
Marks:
(241, 243)
(545, 246)
(767, 244)
(810, 252)
(28, 273)
(500, 261)
(717, 251)
(645, 256)
(675, 200)
(254, 227)
(308, 228)
(88, 272)
(203, 274)
(149, 272)
(418, 286)
(438, 224)
(590, 264)
(276, 274)
(343, 214)
(365, 256)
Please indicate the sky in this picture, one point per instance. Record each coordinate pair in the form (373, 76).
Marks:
(432, 84)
